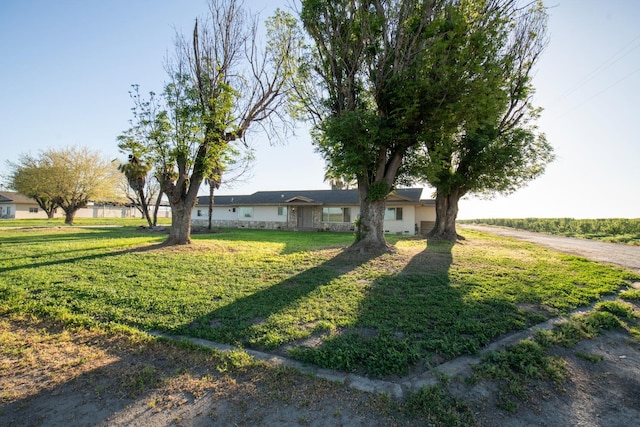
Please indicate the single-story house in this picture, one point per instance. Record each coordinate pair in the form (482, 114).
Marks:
(18, 206)
(331, 210)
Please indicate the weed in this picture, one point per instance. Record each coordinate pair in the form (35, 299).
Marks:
(630, 295)
(436, 406)
(618, 308)
(589, 357)
(135, 384)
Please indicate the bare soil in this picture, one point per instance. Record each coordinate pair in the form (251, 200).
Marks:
(51, 376)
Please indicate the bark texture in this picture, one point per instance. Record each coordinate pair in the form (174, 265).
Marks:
(180, 233)
(370, 228)
(446, 214)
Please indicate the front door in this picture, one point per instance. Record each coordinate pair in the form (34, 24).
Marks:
(305, 217)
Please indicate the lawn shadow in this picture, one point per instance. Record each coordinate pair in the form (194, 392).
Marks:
(245, 321)
(104, 251)
(388, 335)
(415, 319)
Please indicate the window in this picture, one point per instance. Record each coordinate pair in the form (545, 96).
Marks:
(336, 215)
(33, 210)
(200, 212)
(282, 211)
(393, 214)
(245, 212)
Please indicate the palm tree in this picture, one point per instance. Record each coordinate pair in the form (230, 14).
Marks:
(136, 173)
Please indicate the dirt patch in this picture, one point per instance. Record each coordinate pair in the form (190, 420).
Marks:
(54, 376)
(50, 376)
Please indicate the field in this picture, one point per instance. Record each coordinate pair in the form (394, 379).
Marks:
(617, 230)
(299, 295)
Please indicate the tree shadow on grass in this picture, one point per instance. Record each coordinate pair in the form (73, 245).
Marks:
(246, 321)
(94, 253)
(415, 319)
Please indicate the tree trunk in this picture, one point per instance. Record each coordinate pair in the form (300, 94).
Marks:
(370, 227)
(145, 207)
(180, 233)
(446, 214)
(69, 215)
(211, 187)
(156, 207)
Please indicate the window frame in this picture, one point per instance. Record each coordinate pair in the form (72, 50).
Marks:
(397, 214)
(336, 215)
(245, 213)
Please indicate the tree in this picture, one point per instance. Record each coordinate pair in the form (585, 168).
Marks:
(396, 81)
(501, 150)
(338, 182)
(235, 166)
(29, 176)
(71, 177)
(221, 83)
(136, 173)
(369, 110)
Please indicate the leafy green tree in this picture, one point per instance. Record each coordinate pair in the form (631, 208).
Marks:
(31, 177)
(72, 177)
(221, 83)
(397, 81)
(500, 150)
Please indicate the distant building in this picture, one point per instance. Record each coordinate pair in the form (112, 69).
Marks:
(331, 210)
(18, 206)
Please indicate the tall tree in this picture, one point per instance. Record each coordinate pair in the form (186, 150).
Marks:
(234, 165)
(366, 56)
(71, 177)
(397, 79)
(31, 177)
(500, 150)
(221, 84)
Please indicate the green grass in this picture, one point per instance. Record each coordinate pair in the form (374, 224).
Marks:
(59, 222)
(299, 293)
(616, 230)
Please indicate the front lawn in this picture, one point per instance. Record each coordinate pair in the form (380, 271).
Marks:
(298, 293)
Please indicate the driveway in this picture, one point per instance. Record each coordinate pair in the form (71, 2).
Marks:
(612, 253)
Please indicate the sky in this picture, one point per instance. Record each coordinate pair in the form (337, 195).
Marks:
(68, 65)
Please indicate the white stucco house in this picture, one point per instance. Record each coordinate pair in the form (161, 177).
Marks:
(16, 205)
(330, 210)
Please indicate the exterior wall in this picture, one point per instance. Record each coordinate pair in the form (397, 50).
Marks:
(405, 226)
(425, 213)
(106, 212)
(425, 218)
(20, 211)
(266, 217)
(340, 227)
(225, 216)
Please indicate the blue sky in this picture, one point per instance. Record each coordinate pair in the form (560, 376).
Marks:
(67, 67)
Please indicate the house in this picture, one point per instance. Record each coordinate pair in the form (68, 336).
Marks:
(331, 210)
(19, 206)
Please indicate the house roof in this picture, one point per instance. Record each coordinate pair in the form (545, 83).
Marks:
(310, 197)
(12, 197)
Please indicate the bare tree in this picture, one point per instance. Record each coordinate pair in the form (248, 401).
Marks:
(223, 82)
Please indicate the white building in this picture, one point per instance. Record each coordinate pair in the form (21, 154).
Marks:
(332, 210)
